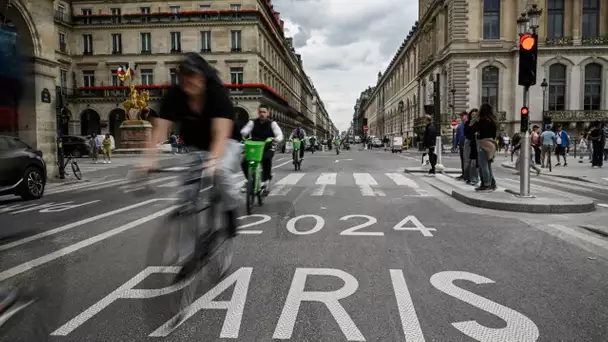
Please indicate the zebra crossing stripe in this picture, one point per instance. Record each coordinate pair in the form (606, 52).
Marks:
(286, 184)
(400, 179)
(365, 181)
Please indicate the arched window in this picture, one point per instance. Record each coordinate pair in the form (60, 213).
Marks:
(489, 86)
(557, 87)
(491, 19)
(593, 87)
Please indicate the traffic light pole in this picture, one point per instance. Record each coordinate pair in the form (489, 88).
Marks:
(524, 165)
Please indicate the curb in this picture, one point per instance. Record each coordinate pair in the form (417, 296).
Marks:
(574, 208)
(600, 231)
(580, 179)
(419, 170)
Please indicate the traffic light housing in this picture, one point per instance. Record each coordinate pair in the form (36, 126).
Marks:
(528, 53)
(525, 119)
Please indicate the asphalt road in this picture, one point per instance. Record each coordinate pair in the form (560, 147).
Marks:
(348, 248)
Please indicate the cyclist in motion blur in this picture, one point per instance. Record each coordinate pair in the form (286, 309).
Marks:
(299, 133)
(201, 105)
(261, 129)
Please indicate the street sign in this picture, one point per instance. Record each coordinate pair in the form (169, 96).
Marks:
(365, 128)
(454, 124)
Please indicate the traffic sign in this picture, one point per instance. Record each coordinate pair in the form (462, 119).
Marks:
(365, 128)
(454, 124)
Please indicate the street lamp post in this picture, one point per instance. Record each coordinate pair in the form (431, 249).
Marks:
(544, 86)
(401, 112)
(453, 107)
(525, 25)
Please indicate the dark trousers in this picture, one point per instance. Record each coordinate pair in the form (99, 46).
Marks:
(432, 159)
(537, 154)
(266, 166)
(461, 152)
(598, 154)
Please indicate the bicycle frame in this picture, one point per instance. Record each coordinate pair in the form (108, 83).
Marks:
(253, 169)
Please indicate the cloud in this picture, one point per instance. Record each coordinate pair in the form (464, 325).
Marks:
(344, 43)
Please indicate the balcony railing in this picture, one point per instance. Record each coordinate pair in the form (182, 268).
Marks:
(117, 93)
(601, 40)
(563, 41)
(577, 115)
(167, 17)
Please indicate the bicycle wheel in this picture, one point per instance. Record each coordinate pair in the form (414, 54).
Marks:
(251, 187)
(76, 170)
(296, 160)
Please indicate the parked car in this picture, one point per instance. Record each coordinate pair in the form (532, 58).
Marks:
(165, 147)
(22, 169)
(75, 145)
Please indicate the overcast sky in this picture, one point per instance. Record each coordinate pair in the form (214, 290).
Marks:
(344, 43)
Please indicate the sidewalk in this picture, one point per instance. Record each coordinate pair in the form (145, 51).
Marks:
(500, 199)
(575, 170)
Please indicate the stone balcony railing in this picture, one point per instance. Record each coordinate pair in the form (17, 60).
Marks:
(601, 40)
(563, 41)
(577, 115)
(166, 17)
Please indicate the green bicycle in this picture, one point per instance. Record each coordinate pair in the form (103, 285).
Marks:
(254, 151)
(297, 162)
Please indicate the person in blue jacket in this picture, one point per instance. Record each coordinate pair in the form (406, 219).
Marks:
(562, 143)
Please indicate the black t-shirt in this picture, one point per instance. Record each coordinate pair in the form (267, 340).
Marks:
(195, 128)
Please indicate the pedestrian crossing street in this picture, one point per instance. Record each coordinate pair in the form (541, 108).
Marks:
(314, 184)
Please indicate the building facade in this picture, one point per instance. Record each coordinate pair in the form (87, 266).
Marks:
(471, 47)
(391, 105)
(78, 46)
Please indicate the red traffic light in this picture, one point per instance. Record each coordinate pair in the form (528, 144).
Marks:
(527, 42)
(524, 111)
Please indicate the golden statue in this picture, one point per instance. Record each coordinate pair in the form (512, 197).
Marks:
(137, 104)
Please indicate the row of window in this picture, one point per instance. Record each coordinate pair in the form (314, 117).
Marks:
(555, 18)
(146, 42)
(557, 90)
(146, 77)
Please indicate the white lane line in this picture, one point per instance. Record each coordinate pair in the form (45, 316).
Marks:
(365, 182)
(17, 206)
(585, 237)
(99, 187)
(278, 160)
(606, 179)
(170, 184)
(78, 223)
(327, 179)
(286, 184)
(11, 272)
(602, 205)
(400, 179)
(285, 163)
(58, 190)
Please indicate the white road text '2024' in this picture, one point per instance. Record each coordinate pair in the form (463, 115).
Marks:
(518, 327)
(410, 223)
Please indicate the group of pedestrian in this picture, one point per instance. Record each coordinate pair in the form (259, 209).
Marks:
(104, 144)
(476, 141)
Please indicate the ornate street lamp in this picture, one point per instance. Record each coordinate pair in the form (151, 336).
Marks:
(544, 86)
(401, 111)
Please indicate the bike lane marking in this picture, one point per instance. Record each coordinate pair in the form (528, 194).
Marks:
(78, 223)
(13, 271)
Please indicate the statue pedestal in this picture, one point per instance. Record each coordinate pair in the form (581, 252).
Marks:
(134, 134)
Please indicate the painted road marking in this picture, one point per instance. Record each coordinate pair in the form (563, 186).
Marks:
(365, 181)
(585, 237)
(286, 184)
(11, 272)
(323, 181)
(400, 179)
(285, 163)
(150, 182)
(603, 205)
(61, 189)
(78, 223)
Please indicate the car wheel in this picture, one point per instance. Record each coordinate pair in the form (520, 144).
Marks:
(32, 186)
(77, 153)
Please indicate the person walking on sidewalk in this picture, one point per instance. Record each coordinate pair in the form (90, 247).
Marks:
(93, 148)
(458, 143)
(562, 141)
(485, 126)
(471, 175)
(535, 142)
(107, 149)
(596, 135)
(429, 141)
(547, 140)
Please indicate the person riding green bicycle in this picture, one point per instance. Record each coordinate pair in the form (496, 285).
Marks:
(299, 133)
(261, 129)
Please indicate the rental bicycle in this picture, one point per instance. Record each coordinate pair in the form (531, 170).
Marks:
(337, 143)
(68, 159)
(191, 239)
(297, 162)
(254, 152)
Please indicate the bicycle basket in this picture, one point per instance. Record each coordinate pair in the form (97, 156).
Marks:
(296, 144)
(254, 150)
